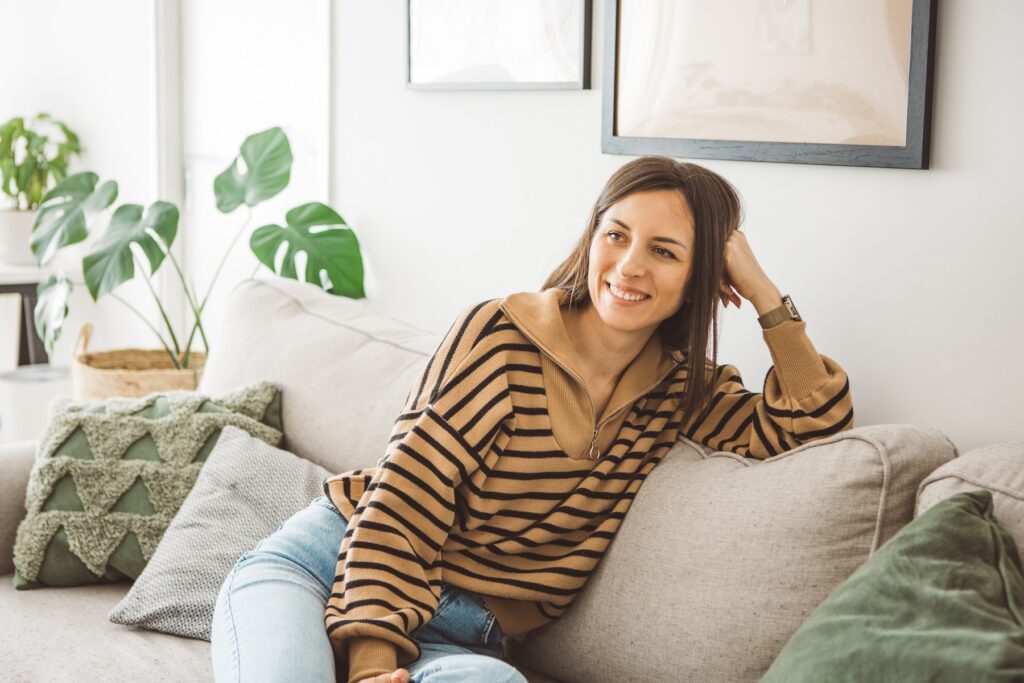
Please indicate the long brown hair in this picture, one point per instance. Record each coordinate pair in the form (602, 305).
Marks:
(717, 212)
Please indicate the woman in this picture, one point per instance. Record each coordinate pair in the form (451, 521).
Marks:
(522, 445)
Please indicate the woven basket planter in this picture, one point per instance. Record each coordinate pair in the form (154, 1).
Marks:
(128, 372)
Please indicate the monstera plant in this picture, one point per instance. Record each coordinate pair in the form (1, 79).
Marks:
(137, 241)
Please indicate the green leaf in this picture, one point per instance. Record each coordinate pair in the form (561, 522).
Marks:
(331, 250)
(51, 309)
(110, 262)
(6, 175)
(24, 173)
(268, 166)
(65, 211)
(72, 144)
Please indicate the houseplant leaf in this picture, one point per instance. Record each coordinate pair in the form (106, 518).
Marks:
(267, 157)
(331, 250)
(110, 262)
(51, 309)
(65, 211)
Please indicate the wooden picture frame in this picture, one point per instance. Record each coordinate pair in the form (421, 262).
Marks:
(681, 79)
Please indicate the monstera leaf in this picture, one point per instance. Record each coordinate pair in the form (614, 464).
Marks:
(267, 160)
(51, 309)
(110, 262)
(333, 261)
(65, 211)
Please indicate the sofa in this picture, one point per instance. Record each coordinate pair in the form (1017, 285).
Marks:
(717, 563)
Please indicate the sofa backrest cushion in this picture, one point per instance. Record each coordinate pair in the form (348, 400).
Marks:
(721, 558)
(344, 368)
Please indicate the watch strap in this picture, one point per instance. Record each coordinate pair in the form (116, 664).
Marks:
(787, 311)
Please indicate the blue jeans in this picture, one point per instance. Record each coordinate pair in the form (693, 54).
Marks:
(268, 624)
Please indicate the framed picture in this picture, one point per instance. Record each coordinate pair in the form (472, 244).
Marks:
(795, 81)
(498, 44)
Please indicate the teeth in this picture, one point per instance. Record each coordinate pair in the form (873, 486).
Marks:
(619, 294)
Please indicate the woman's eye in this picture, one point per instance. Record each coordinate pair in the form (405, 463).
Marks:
(666, 252)
(614, 232)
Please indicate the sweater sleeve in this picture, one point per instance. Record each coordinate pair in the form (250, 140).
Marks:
(806, 397)
(388, 579)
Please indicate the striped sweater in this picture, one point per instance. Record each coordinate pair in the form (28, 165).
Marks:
(488, 481)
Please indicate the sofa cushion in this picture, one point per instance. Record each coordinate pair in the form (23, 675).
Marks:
(998, 468)
(61, 635)
(92, 648)
(721, 558)
(245, 491)
(110, 475)
(942, 600)
(319, 347)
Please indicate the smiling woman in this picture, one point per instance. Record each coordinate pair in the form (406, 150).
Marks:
(659, 229)
(522, 445)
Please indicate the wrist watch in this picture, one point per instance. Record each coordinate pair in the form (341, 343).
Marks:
(787, 311)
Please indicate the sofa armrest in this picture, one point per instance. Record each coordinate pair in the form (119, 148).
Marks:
(15, 465)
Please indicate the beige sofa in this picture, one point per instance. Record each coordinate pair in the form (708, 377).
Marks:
(716, 565)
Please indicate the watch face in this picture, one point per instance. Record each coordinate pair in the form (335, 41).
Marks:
(792, 309)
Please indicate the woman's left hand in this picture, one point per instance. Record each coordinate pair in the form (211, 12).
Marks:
(743, 274)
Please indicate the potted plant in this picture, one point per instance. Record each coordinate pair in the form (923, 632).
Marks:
(138, 241)
(34, 156)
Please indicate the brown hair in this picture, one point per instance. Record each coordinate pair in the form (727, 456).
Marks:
(716, 212)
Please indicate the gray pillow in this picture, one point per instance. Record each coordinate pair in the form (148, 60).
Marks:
(245, 491)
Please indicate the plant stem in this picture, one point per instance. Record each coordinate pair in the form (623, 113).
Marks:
(174, 359)
(216, 274)
(163, 313)
(224, 258)
(195, 310)
(134, 310)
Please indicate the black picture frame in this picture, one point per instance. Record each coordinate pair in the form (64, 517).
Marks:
(913, 155)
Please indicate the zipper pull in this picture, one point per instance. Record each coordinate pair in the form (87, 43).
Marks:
(594, 452)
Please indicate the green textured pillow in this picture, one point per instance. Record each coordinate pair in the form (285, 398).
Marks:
(110, 475)
(942, 600)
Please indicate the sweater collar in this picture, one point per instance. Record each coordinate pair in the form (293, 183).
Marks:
(538, 316)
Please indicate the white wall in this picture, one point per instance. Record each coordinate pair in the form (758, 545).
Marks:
(910, 279)
(248, 66)
(73, 61)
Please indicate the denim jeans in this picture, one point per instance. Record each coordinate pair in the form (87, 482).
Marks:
(268, 623)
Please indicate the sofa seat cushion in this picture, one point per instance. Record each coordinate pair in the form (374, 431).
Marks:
(62, 634)
(93, 649)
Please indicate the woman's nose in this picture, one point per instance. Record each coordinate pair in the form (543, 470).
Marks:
(631, 264)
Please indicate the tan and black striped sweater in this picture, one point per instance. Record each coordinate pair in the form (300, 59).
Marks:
(488, 482)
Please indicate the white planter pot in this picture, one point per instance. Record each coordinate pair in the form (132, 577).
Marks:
(15, 234)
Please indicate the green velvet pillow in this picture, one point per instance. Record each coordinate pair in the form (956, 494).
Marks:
(110, 475)
(942, 600)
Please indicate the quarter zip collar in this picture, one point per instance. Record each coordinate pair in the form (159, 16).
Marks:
(538, 316)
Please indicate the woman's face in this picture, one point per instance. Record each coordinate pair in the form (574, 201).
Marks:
(643, 244)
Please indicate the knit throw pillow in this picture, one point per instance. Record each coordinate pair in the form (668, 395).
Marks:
(110, 475)
(245, 492)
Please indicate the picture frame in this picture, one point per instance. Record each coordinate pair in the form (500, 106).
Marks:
(498, 44)
(684, 78)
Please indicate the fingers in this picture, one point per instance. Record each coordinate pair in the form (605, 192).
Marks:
(396, 676)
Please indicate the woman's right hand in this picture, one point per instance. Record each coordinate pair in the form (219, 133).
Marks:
(396, 676)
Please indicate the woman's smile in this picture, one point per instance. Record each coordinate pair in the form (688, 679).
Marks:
(624, 297)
